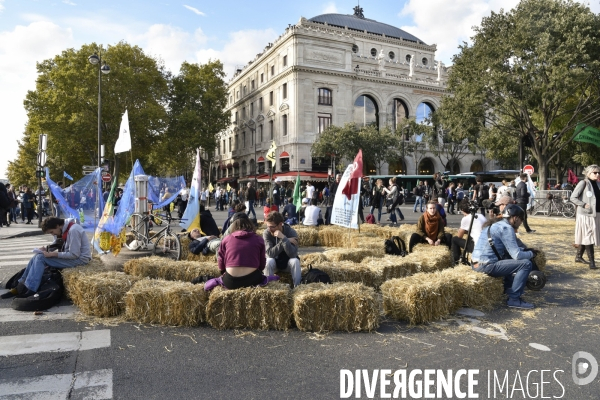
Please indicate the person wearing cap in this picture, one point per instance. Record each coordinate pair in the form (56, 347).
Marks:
(498, 254)
(302, 210)
(281, 242)
(472, 235)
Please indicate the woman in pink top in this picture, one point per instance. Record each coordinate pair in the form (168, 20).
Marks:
(242, 256)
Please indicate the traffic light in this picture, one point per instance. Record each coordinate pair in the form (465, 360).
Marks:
(40, 174)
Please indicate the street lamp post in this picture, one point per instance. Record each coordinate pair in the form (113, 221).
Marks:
(252, 127)
(103, 68)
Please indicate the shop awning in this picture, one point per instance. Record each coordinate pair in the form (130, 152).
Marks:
(261, 159)
(291, 176)
(285, 154)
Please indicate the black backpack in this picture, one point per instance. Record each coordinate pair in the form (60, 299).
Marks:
(315, 275)
(48, 295)
(395, 246)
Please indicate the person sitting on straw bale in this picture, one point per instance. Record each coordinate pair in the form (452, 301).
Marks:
(312, 214)
(457, 241)
(241, 256)
(281, 242)
(207, 223)
(289, 212)
(430, 228)
(302, 210)
(76, 251)
(502, 257)
(240, 207)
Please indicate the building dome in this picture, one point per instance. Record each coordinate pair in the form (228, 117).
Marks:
(358, 23)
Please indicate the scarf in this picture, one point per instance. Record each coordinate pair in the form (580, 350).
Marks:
(432, 225)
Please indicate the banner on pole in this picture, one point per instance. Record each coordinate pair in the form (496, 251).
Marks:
(345, 203)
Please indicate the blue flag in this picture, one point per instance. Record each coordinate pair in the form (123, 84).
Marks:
(67, 175)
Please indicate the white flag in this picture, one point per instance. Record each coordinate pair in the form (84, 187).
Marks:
(124, 141)
(191, 215)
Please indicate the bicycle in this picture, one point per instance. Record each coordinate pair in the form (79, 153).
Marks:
(164, 243)
(555, 206)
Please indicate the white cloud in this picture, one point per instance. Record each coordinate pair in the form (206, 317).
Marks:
(330, 8)
(20, 49)
(1, 5)
(69, 2)
(173, 45)
(194, 10)
(241, 47)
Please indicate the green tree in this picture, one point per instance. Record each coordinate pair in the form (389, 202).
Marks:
(64, 105)
(336, 142)
(531, 72)
(197, 98)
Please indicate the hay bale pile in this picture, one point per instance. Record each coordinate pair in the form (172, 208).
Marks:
(100, 294)
(375, 244)
(334, 237)
(69, 275)
(187, 255)
(167, 303)
(475, 289)
(267, 307)
(312, 258)
(354, 255)
(307, 235)
(162, 268)
(419, 298)
(350, 307)
(431, 258)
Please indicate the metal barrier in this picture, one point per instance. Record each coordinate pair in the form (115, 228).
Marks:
(553, 202)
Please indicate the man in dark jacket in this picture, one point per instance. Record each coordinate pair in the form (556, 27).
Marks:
(207, 223)
(251, 197)
(332, 191)
(523, 199)
(439, 188)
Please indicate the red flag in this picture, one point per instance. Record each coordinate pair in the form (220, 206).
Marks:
(572, 178)
(352, 184)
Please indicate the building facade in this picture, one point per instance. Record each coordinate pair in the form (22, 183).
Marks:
(330, 70)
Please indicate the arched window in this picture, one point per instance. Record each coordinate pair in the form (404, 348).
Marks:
(366, 111)
(374, 52)
(251, 169)
(244, 168)
(424, 110)
(477, 166)
(399, 112)
(453, 166)
(398, 167)
(325, 98)
(426, 167)
(354, 48)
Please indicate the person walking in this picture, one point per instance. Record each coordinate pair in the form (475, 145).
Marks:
(418, 193)
(587, 221)
(251, 198)
(14, 203)
(28, 200)
(396, 195)
(377, 199)
(523, 199)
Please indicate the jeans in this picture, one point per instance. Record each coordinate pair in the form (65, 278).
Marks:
(35, 269)
(418, 201)
(514, 286)
(393, 211)
(251, 208)
(293, 266)
(328, 211)
(379, 209)
(13, 214)
(457, 244)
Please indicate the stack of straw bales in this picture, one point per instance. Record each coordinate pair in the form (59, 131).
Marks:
(100, 294)
(333, 236)
(432, 258)
(475, 289)
(162, 268)
(375, 244)
(307, 235)
(268, 307)
(348, 307)
(167, 303)
(312, 258)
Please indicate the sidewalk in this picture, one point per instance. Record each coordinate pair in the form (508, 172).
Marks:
(20, 230)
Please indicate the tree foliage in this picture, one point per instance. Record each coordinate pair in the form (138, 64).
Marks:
(168, 117)
(531, 72)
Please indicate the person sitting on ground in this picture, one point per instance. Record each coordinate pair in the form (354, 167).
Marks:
(281, 242)
(289, 211)
(240, 207)
(312, 214)
(505, 257)
(473, 235)
(207, 223)
(268, 208)
(430, 228)
(76, 251)
(241, 256)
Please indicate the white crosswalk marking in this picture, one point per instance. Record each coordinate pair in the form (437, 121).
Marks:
(84, 385)
(54, 313)
(54, 342)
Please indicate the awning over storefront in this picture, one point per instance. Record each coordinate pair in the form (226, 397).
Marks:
(291, 176)
(285, 154)
(261, 159)
(227, 180)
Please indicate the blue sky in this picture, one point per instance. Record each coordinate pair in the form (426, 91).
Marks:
(195, 31)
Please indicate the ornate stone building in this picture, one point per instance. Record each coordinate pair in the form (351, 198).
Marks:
(330, 69)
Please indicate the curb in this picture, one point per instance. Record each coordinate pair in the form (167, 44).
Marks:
(23, 234)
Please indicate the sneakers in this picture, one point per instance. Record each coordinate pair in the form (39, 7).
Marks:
(518, 303)
(531, 231)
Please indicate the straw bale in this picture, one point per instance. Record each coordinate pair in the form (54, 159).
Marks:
(354, 255)
(162, 268)
(475, 289)
(263, 307)
(101, 294)
(312, 258)
(334, 237)
(420, 298)
(374, 244)
(350, 307)
(308, 236)
(70, 275)
(431, 258)
(187, 255)
(405, 232)
(165, 302)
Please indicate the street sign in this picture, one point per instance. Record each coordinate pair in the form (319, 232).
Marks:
(106, 177)
(89, 167)
(528, 169)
